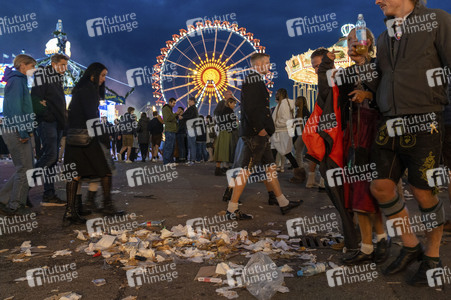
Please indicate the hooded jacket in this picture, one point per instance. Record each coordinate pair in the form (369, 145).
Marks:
(17, 107)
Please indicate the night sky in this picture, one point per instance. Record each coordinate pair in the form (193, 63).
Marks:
(158, 20)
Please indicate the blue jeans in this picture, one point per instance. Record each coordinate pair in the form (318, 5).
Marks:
(14, 193)
(192, 148)
(181, 145)
(50, 140)
(168, 148)
(201, 151)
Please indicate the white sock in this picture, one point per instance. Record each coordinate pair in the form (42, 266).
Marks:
(282, 200)
(379, 237)
(367, 248)
(232, 207)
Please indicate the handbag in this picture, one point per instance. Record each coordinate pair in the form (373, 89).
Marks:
(78, 137)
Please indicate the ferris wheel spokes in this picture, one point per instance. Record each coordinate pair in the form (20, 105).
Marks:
(203, 41)
(237, 48)
(180, 86)
(192, 46)
(185, 55)
(172, 62)
(225, 46)
(247, 56)
(184, 95)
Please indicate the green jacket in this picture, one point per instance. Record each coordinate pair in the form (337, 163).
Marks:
(169, 119)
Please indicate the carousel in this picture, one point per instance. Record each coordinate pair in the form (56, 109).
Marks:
(299, 68)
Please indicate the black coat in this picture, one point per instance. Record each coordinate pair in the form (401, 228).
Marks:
(48, 86)
(143, 131)
(255, 113)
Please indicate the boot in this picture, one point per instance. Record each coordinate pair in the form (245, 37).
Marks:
(71, 215)
(82, 211)
(227, 194)
(91, 201)
(299, 175)
(108, 206)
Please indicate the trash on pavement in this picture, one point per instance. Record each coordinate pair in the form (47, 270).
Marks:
(99, 282)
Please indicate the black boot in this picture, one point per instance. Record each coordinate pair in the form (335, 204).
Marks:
(108, 207)
(71, 215)
(82, 211)
(91, 201)
(227, 194)
(382, 250)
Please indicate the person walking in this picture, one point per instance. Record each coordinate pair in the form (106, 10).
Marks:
(156, 132)
(225, 143)
(87, 153)
(256, 128)
(129, 129)
(404, 59)
(49, 104)
(282, 142)
(17, 134)
(143, 135)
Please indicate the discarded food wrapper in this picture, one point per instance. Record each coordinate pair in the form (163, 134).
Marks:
(222, 269)
(65, 296)
(130, 298)
(283, 289)
(165, 233)
(80, 235)
(255, 233)
(206, 272)
(105, 242)
(64, 252)
(99, 282)
(225, 291)
(286, 269)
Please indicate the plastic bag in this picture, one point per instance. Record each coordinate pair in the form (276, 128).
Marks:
(261, 276)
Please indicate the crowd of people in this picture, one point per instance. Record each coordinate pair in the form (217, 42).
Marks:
(254, 139)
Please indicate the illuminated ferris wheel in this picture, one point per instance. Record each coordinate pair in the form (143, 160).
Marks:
(204, 62)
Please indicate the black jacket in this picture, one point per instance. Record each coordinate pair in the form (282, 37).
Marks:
(48, 86)
(404, 86)
(255, 113)
(155, 126)
(84, 105)
(190, 113)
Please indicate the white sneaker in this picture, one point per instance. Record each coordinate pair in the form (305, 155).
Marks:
(128, 161)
